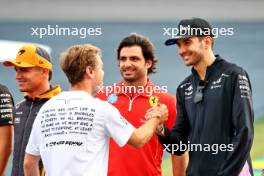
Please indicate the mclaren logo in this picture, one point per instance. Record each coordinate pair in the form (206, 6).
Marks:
(21, 52)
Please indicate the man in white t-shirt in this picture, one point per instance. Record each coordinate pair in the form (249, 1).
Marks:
(72, 130)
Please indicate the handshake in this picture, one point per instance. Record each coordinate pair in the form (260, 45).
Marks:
(161, 113)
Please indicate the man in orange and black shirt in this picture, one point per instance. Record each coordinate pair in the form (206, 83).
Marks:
(33, 72)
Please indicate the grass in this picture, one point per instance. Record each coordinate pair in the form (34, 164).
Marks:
(258, 144)
(166, 167)
(256, 151)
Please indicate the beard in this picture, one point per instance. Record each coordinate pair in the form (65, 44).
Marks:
(132, 78)
(196, 56)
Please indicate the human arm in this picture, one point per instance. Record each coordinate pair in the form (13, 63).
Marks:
(123, 132)
(142, 135)
(179, 164)
(180, 131)
(242, 121)
(5, 146)
(31, 167)
(6, 128)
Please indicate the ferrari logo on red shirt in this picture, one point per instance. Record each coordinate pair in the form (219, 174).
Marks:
(153, 100)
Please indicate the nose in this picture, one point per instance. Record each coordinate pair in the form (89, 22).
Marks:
(181, 50)
(125, 63)
(18, 74)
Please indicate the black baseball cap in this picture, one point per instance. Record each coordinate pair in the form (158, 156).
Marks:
(191, 27)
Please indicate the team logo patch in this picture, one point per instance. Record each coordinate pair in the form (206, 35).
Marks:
(17, 120)
(153, 100)
(112, 98)
(21, 52)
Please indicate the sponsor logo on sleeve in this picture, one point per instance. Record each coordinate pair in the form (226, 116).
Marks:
(112, 98)
(244, 87)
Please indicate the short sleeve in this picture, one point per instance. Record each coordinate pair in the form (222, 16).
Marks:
(6, 106)
(118, 127)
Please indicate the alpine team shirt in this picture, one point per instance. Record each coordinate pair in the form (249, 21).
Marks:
(71, 134)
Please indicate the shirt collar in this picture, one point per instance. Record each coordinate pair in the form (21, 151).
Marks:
(209, 69)
(47, 95)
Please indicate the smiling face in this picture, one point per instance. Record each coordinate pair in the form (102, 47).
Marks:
(191, 50)
(132, 64)
(31, 79)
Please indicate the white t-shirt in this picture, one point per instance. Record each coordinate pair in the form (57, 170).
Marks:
(71, 134)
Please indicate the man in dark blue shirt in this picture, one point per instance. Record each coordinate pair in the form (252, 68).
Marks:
(214, 107)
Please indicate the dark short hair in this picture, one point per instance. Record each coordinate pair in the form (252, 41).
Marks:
(202, 37)
(145, 44)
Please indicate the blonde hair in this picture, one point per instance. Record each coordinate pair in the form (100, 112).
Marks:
(75, 60)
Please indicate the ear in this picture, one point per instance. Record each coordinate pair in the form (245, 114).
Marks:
(89, 72)
(207, 42)
(149, 63)
(45, 71)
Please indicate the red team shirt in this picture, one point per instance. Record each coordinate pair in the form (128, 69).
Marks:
(127, 160)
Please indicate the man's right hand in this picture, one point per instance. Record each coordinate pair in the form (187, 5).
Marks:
(160, 111)
(154, 116)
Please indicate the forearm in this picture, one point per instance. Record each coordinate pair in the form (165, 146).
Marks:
(4, 155)
(143, 134)
(179, 164)
(31, 171)
(5, 146)
(31, 167)
(170, 138)
(242, 122)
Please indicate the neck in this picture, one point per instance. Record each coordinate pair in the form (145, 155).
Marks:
(137, 83)
(201, 66)
(84, 85)
(45, 87)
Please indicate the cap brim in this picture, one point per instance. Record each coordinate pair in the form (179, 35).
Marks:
(173, 41)
(17, 63)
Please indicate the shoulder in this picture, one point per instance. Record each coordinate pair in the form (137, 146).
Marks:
(104, 106)
(21, 103)
(4, 89)
(231, 68)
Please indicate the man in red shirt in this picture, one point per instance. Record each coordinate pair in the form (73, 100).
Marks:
(132, 97)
